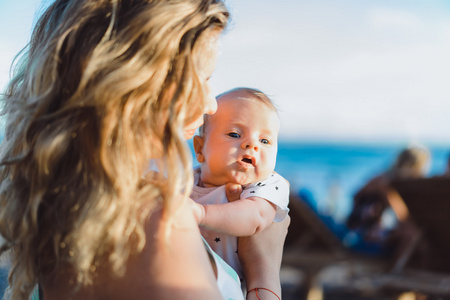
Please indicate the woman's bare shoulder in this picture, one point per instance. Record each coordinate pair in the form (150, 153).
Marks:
(173, 265)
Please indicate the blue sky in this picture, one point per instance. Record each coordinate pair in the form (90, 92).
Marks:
(338, 70)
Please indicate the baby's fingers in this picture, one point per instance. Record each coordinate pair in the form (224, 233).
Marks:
(233, 191)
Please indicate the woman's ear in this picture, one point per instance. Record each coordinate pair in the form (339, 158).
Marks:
(198, 148)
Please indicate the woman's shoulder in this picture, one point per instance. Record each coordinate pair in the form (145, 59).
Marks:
(172, 264)
(174, 261)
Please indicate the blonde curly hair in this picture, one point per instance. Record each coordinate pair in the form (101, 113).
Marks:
(102, 87)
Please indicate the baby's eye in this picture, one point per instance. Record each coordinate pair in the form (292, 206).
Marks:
(234, 135)
(264, 141)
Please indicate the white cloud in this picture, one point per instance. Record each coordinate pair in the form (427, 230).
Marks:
(353, 71)
(393, 18)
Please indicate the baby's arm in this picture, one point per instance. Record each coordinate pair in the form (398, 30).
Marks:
(242, 217)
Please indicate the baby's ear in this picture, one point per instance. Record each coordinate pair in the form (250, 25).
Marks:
(198, 148)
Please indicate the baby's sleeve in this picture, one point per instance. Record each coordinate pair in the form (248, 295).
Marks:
(274, 189)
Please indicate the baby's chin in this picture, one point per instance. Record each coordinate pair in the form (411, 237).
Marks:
(245, 180)
(240, 178)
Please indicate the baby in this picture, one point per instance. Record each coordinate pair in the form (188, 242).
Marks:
(238, 144)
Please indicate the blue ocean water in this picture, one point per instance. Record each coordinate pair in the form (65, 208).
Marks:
(333, 172)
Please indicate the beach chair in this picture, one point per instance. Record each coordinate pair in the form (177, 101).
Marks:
(428, 202)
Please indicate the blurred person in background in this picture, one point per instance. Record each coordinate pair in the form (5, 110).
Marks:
(379, 214)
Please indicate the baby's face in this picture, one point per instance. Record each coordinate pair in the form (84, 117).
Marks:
(240, 143)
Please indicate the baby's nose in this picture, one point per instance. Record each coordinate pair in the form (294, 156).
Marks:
(250, 145)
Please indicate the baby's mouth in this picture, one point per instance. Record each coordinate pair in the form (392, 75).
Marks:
(247, 160)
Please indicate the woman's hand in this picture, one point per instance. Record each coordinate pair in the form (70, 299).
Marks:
(261, 254)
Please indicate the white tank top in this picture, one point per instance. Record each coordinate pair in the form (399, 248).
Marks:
(227, 279)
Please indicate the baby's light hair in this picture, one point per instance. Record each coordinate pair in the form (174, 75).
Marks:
(244, 93)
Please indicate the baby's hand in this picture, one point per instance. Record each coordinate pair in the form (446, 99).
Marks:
(199, 212)
(233, 191)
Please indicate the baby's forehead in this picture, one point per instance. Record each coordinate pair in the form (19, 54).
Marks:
(242, 112)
